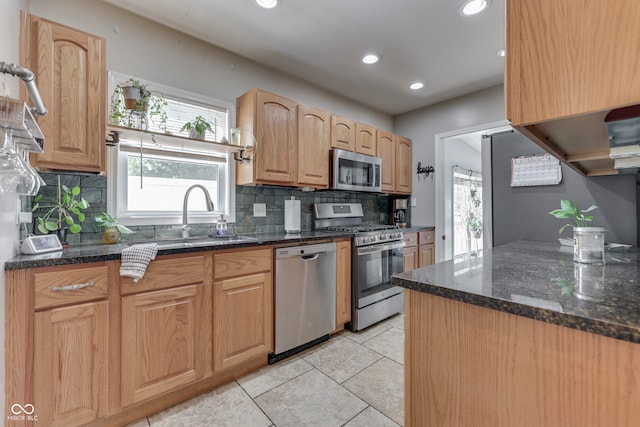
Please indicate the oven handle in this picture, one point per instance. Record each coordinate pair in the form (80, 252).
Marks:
(380, 248)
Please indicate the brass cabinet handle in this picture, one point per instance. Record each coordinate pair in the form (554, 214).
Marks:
(73, 287)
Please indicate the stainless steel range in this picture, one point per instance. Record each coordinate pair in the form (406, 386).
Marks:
(376, 256)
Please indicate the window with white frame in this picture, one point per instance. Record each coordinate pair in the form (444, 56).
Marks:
(150, 170)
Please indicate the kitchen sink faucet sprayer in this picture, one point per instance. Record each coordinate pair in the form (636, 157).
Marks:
(210, 207)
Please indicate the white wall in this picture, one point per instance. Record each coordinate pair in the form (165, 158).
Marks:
(156, 53)
(485, 106)
(9, 52)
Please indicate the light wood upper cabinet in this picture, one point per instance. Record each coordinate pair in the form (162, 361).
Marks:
(71, 364)
(365, 139)
(343, 133)
(343, 283)
(242, 306)
(70, 70)
(272, 120)
(403, 165)
(314, 131)
(567, 66)
(386, 146)
(564, 59)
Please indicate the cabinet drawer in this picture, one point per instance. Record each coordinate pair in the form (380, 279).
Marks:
(241, 263)
(425, 237)
(411, 239)
(69, 285)
(167, 273)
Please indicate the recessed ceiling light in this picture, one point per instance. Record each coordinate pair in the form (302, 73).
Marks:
(472, 7)
(502, 53)
(371, 58)
(267, 4)
(416, 85)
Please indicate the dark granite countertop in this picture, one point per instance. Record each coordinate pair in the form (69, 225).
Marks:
(415, 228)
(541, 281)
(77, 254)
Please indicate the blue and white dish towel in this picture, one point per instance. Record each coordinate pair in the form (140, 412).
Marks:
(136, 258)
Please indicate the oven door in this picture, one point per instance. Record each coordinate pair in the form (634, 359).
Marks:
(373, 267)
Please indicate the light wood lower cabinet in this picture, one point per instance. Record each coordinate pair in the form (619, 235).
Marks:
(426, 248)
(58, 341)
(242, 307)
(343, 283)
(71, 364)
(410, 251)
(163, 341)
(85, 346)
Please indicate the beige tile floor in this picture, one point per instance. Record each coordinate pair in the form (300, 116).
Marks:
(352, 380)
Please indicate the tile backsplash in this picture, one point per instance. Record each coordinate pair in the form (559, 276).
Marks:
(377, 208)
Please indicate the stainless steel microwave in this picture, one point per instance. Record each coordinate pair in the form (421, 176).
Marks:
(355, 171)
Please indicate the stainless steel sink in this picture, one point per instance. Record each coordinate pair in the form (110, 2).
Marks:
(197, 242)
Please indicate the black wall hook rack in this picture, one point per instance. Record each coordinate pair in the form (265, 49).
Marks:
(426, 170)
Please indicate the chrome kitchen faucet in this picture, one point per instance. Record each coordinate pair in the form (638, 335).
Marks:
(210, 207)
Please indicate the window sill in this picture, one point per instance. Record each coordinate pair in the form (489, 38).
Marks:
(173, 140)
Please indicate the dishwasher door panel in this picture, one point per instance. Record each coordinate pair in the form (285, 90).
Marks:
(305, 295)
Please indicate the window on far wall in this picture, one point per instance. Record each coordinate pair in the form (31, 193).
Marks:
(148, 177)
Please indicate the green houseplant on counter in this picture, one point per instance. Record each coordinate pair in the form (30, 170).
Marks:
(111, 228)
(588, 242)
(62, 212)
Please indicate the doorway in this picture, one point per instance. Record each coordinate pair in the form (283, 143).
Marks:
(463, 190)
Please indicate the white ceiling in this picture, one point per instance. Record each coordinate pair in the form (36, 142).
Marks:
(322, 42)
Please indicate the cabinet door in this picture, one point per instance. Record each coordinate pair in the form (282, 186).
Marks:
(164, 343)
(242, 319)
(70, 69)
(276, 133)
(410, 258)
(425, 255)
(365, 139)
(565, 59)
(343, 133)
(314, 128)
(71, 364)
(387, 151)
(343, 283)
(403, 165)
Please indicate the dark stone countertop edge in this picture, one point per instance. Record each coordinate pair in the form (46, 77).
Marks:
(79, 254)
(595, 326)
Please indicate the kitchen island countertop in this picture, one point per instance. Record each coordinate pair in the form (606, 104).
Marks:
(76, 254)
(540, 281)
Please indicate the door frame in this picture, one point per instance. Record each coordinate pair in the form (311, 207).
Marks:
(440, 140)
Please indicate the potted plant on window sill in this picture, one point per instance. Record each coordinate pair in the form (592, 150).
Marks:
(61, 213)
(197, 128)
(588, 242)
(111, 228)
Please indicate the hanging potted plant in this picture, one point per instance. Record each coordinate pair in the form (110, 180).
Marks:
(588, 242)
(111, 228)
(62, 212)
(133, 105)
(197, 128)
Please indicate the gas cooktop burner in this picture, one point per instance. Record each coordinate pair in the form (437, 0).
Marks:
(362, 228)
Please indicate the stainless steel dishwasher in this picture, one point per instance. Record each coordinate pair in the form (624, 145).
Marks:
(305, 296)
